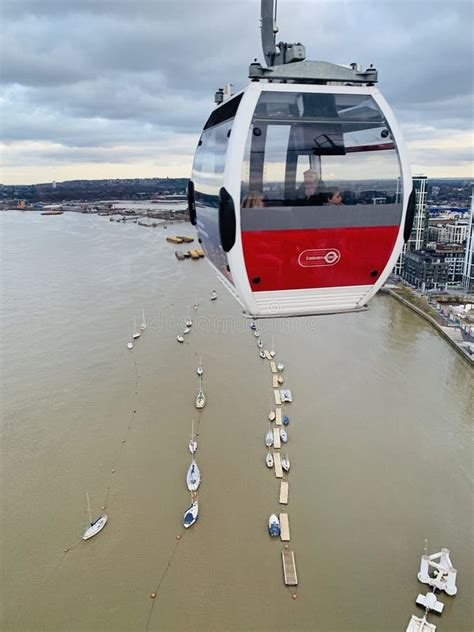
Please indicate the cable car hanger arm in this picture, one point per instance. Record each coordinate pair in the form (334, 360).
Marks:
(287, 62)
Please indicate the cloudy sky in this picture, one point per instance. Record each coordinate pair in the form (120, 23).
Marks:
(121, 88)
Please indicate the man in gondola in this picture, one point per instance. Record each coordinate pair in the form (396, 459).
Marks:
(312, 192)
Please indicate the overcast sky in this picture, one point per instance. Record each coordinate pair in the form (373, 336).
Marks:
(121, 88)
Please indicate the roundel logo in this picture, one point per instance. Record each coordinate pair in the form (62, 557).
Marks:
(319, 257)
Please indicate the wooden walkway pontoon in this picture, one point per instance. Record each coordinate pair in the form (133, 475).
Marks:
(284, 528)
(289, 568)
(284, 489)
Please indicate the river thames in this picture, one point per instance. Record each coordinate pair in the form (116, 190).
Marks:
(380, 442)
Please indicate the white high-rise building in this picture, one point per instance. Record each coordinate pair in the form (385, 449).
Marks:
(418, 235)
(468, 270)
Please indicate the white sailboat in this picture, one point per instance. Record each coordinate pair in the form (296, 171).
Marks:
(143, 325)
(180, 338)
(200, 397)
(200, 370)
(285, 463)
(272, 415)
(195, 306)
(213, 295)
(129, 343)
(269, 459)
(193, 445)
(262, 355)
(186, 330)
(272, 353)
(137, 332)
(94, 525)
(193, 477)
(191, 514)
(269, 439)
(259, 344)
(283, 435)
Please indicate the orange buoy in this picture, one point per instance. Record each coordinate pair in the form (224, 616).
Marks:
(103, 507)
(153, 595)
(294, 596)
(286, 546)
(113, 471)
(178, 537)
(123, 440)
(66, 550)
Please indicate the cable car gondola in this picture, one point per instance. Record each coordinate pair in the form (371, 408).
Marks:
(300, 186)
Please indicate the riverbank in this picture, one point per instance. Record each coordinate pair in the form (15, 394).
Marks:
(452, 334)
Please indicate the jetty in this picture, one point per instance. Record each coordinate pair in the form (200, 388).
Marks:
(278, 416)
(277, 465)
(284, 490)
(276, 438)
(284, 528)
(289, 568)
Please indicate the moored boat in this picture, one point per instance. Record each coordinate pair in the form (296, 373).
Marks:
(269, 459)
(191, 514)
(193, 477)
(180, 338)
(283, 435)
(269, 439)
(274, 526)
(285, 463)
(200, 397)
(94, 525)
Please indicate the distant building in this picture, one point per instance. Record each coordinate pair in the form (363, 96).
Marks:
(468, 270)
(426, 270)
(454, 257)
(419, 232)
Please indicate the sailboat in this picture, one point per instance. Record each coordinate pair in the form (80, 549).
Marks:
(193, 477)
(272, 415)
(186, 330)
(200, 370)
(285, 463)
(213, 295)
(193, 444)
(269, 459)
(189, 322)
(137, 332)
(180, 338)
(94, 525)
(143, 325)
(269, 439)
(191, 514)
(283, 435)
(200, 397)
(262, 355)
(195, 306)
(259, 344)
(129, 343)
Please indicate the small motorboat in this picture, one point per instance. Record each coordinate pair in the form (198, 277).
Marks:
(189, 323)
(285, 420)
(259, 344)
(272, 415)
(285, 463)
(256, 334)
(269, 439)
(200, 370)
(191, 515)
(253, 326)
(213, 295)
(272, 353)
(180, 338)
(262, 355)
(94, 525)
(193, 477)
(274, 526)
(186, 330)
(280, 366)
(130, 344)
(283, 435)
(280, 379)
(269, 459)
(286, 395)
(200, 397)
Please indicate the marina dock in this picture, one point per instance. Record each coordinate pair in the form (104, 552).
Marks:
(284, 490)
(276, 438)
(289, 568)
(284, 528)
(277, 465)
(277, 395)
(275, 381)
(273, 367)
(278, 417)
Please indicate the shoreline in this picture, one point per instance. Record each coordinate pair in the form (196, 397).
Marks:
(433, 322)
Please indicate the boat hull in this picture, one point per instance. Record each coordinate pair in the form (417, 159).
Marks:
(95, 528)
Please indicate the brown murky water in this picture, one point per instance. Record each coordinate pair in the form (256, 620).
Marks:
(380, 444)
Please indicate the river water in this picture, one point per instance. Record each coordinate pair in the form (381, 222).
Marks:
(379, 440)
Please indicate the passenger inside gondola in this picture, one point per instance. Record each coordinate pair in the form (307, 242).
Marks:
(335, 198)
(312, 192)
(253, 200)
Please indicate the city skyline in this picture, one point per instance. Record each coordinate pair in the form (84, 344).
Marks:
(114, 90)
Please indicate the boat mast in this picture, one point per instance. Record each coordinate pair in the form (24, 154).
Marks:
(89, 508)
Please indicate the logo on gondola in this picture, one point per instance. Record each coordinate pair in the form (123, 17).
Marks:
(319, 257)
